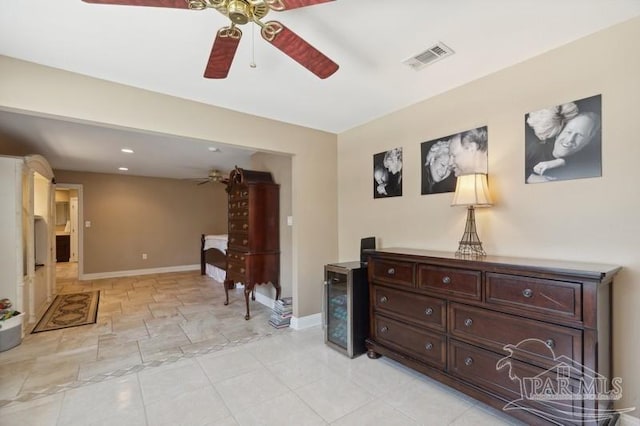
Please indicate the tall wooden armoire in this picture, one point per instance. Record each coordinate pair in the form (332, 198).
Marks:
(253, 252)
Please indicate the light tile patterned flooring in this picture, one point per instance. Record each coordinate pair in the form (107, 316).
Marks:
(166, 351)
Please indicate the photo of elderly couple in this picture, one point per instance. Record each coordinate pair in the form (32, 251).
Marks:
(564, 141)
(444, 159)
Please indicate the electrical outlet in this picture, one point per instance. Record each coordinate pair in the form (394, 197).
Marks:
(290, 220)
(144, 256)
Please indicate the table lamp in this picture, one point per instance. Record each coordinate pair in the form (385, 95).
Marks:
(471, 191)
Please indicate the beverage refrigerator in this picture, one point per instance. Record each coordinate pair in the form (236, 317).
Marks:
(346, 307)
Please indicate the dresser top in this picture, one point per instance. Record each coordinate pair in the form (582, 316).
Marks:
(597, 271)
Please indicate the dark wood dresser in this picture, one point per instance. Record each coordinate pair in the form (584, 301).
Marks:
(503, 330)
(253, 252)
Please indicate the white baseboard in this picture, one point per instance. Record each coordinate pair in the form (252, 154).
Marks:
(628, 420)
(306, 322)
(118, 274)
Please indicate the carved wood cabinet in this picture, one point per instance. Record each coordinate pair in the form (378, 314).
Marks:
(253, 252)
(506, 331)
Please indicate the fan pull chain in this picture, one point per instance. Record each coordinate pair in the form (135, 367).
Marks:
(252, 64)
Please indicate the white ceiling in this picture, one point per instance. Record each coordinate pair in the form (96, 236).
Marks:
(165, 50)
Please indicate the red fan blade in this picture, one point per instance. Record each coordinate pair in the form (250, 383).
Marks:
(176, 4)
(223, 51)
(298, 49)
(279, 5)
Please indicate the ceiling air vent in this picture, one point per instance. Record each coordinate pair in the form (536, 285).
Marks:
(429, 56)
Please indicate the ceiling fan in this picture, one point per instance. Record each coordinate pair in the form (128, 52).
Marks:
(214, 176)
(241, 12)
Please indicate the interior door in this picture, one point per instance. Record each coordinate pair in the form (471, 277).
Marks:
(73, 213)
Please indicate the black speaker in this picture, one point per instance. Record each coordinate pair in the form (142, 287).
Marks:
(366, 245)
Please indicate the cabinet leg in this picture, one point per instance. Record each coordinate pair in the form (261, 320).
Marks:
(278, 289)
(373, 355)
(247, 291)
(253, 294)
(226, 285)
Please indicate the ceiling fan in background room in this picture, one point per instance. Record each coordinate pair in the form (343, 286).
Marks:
(241, 12)
(214, 176)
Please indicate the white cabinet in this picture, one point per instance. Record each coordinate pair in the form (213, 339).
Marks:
(27, 244)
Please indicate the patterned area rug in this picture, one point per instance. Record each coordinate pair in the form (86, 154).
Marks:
(70, 310)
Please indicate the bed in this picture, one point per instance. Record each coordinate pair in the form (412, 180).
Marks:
(213, 256)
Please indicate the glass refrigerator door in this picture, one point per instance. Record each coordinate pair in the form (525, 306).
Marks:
(337, 309)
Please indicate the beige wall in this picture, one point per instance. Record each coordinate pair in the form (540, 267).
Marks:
(589, 219)
(29, 87)
(10, 146)
(131, 215)
(280, 168)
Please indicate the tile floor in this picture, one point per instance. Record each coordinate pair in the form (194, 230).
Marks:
(166, 351)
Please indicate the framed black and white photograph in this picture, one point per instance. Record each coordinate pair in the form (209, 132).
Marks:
(564, 142)
(443, 160)
(387, 173)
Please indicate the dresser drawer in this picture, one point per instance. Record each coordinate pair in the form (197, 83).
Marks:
(236, 267)
(239, 204)
(420, 344)
(450, 281)
(504, 376)
(236, 256)
(238, 225)
(549, 298)
(238, 192)
(238, 214)
(424, 310)
(239, 240)
(496, 330)
(392, 272)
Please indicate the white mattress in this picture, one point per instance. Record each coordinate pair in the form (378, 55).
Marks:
(216, 241)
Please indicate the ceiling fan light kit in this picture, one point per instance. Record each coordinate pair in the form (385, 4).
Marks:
(241, 12)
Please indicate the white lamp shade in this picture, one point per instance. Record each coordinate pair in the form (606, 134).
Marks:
(472, 190)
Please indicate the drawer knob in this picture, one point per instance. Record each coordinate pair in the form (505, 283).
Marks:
(468, 361)
(446, 280)
(527, 292)
(384, 329)
(428, 346)
(428, 311)
(391, 271)
(244, 242)
(550, 343)
(245, 226)
(468, 322)
(242, 270)
(384, 299)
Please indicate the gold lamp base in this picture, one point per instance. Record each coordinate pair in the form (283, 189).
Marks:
(470, 244)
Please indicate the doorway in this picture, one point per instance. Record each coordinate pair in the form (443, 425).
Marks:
(69, 253)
